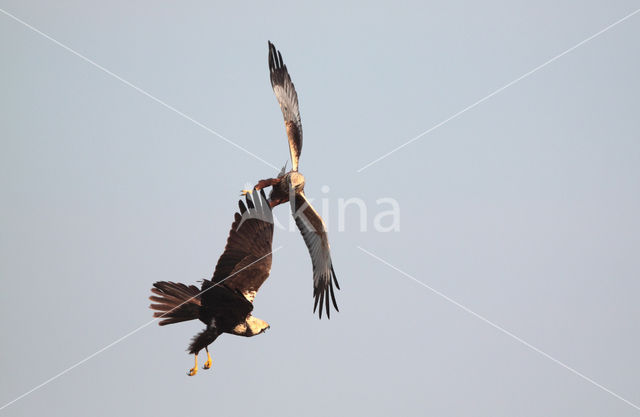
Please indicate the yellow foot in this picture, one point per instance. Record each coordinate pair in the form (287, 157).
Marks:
(245, 192)
(194, 370)
(207, 364)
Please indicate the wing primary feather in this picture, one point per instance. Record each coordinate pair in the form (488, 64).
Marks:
(321, 303)
(333, 274)
(249, 199)
(333, 297)
(327, 301)
(242, 207)
(271, 61)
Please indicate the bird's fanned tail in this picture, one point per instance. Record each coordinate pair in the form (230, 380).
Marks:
(175, 302)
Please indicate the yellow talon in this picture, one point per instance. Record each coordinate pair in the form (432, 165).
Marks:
(207, 364)
(194, 370)
(245, 192)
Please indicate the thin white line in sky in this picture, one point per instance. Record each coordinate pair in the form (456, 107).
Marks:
(138, 89)
(504, 87)
(501, 329)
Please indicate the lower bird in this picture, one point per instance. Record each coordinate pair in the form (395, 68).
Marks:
(225, 302)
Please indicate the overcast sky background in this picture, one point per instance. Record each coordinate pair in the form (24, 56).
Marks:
(523, 209)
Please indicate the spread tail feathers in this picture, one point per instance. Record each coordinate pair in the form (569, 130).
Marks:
(175, 302)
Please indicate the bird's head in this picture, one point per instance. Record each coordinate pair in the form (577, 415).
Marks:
(256, 326)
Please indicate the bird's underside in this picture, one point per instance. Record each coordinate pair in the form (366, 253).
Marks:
(224, 303)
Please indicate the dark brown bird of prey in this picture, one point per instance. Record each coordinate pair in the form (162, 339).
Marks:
(289, 186)
(224, 303)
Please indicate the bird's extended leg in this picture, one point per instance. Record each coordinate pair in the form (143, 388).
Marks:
(202, 340)
(269, 182)
(194, 370)
(207, 364)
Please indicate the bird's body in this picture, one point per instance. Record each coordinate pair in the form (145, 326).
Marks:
(225, 302)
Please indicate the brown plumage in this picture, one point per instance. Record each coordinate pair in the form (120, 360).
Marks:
(224, 303)
(289, 187)
(246, 261)
(287, 98)
(176, 302)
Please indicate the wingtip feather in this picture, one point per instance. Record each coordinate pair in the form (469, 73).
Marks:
(333, 298)
(333, 275)
(327, 305)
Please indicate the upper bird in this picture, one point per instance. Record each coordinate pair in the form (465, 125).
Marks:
(289, 186)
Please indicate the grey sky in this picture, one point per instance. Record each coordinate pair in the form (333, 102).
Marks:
(523, 209)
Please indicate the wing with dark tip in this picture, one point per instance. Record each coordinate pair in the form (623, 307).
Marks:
(315, 237)
(288, 99)
(246, 261)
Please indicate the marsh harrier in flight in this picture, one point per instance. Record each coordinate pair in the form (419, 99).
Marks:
(289, 186)
(224, 302)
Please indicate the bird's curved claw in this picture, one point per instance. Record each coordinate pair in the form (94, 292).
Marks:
(207, 364)
(245, 192)
(194, 370)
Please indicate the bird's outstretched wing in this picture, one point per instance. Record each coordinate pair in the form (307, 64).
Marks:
(315, 237)
(246, 261)
(288, 100)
